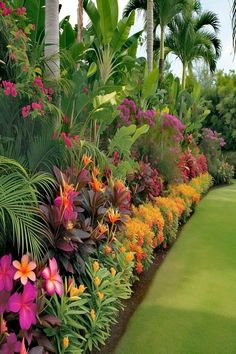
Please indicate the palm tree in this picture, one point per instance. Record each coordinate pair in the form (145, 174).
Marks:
(190, 39)
(80, 20)
(150, 34)
(52, 38)
(164, 12)
(234, 23)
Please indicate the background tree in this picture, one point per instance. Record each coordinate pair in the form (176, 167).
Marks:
(150, 34)
(52, 38)
(234, 23)
(80, 20)
(190, 39)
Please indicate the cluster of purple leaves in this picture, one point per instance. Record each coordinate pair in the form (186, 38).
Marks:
(129, 113)
(211, 135)
(173, 123)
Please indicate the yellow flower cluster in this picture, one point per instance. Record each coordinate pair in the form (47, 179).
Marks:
(187, 192)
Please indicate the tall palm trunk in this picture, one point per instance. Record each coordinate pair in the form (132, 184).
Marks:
(162, 54)
(52, 38)
(183, 76)
(150, 34)
(80, 20)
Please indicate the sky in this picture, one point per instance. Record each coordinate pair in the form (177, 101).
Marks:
(221, 7)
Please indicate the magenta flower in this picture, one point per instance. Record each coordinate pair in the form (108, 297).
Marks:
(21, 11)
(24, 305)
(25, 111)
(6, 273)
(11, 346)
(36, 105)
(4, 297)
(9, 88)
(52, 278)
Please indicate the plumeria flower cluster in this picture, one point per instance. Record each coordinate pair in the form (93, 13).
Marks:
(20, 286)
(129, 112)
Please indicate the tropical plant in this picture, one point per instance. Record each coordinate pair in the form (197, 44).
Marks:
(20, 215)
(190, 39)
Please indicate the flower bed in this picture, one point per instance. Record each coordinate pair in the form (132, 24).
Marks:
(41, 311)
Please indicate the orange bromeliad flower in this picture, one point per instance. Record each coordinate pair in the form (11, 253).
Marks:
(113, 215)
(86, 160)
(24, 270)
(93, 314)
(102, 228)
(96, 184)
(95, 266)
(96, 171)
(77, 291)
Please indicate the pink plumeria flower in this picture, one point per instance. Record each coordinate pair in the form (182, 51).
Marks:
(24, 270)
(53, 279)
(25, 306)
(6, 273)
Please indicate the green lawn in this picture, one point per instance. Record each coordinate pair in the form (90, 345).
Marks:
(190, 307)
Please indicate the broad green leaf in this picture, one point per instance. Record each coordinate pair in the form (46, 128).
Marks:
(121, 33)
(106, 21)
(92, 69)
(150, 84)
(67, 38)
(101, 100)
(94, 16)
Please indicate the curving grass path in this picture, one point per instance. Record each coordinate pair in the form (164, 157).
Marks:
(190, 307)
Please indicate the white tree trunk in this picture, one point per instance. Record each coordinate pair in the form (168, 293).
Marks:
(150, 34)
(80, 20)
(52, 38)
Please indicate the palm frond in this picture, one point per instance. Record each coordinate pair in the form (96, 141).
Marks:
(20, 218)
(208, 18)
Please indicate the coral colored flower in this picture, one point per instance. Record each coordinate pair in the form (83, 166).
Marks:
(3, 326)
(122, 249)
(113, 215)
(96, 184)
(96, 171)
(25, 111)
(53, 279)
(67, 140)
(86, 160)
(107, 249)
(25, 306)
(11, 346)
(95, 266)
(24, 269)
(22, 347)
(4, 297)
(66, 342)
(6, 273)
(9, 88)
(102, 228)
(139, 267)
(113, 271)
(93, 315)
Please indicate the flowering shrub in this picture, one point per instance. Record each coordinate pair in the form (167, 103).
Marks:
(192, 165)
(129, 113)
(170, 212)
(202, 183)
(225, 173)
(145, 184)
(173, 125)
(187, 192)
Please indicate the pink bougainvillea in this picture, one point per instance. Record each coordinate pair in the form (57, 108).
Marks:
(9, 88)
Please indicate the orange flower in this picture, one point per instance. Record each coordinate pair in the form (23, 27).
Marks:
(122, 249)
(95, 266)
(113, 271)
(86, 160)
(102, 228)
(96, 184)
(96, 171)
(66, 342)
(107, 249)
(93, 315)
(24, 269)
(129, 257)
(100, 295)
(113, 215)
